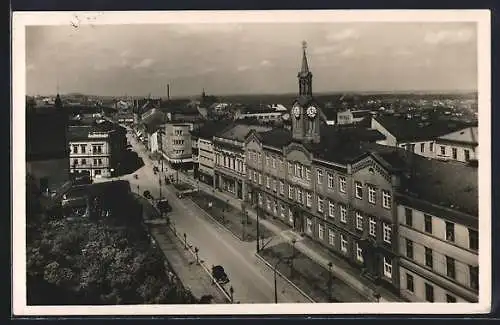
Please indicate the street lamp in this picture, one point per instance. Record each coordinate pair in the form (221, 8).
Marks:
(330, 265)
(292, 257)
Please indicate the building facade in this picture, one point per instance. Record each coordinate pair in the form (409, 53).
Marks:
(461, 145)
(176, 144)
(47, 155)
(96, 149)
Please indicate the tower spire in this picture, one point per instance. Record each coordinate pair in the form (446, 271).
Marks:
(305, 66)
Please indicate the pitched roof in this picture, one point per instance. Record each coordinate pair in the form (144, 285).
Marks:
(416, 130)
(467, 135)
(434, 181)
(239, 131)
(211, 128)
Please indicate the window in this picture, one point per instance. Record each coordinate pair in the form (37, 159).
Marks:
(75, 149)
(308, 199)
(474, 277)
(428, 223)
(409, 249)
(359, 253)
(343, 244)
(308, 173)
(388, 267)
(331, 237)
(467, 154)
(331, 209)
(290, 192)
(290, 168)
(260, 199)
(282, 188)
(255, 176)
(409, 282)
(386, 199)
(178, 132)
(422, 147)
(359, 190)
(274, 162)
(428, 257)
(309, 226)
(373, 227)
(250, 174)
(454, 153)
(473, 239)
(299, 195)
(320, 204)
(84, 161)
(268, 182)
(371, 194)
(387, 233)
(83, 148)
(75, 162)
(359, 221)
(450, 231)
(95, 162)
(330, 180)
(342, 183)
(275, 185)
(225, 161)
(343, 214)
(321, 231)
(260, 179)
(409, 217)
(443, 150)
(268, 164)
(97, 172)
(450, 267)
(320, 176)
(429, 292)
(450, 298)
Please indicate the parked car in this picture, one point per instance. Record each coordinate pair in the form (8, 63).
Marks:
(164, 206)
(219, 274)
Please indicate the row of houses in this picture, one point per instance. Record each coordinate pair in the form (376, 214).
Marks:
(366, 193)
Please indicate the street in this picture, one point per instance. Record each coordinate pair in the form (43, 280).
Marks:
(250, 278)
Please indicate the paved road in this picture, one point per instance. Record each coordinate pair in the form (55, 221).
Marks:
(251, 279)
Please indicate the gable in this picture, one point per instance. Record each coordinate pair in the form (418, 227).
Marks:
(371, 171)
(297, 152)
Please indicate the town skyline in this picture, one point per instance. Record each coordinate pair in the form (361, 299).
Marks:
(344, 57)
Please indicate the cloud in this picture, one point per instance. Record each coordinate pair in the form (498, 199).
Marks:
(449, 36)
(243, 68)
(342, 35)
(143, 64)
(265, 63)
(346, 52)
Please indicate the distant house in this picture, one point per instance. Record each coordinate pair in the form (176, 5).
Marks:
(415, 135)
(352, 116)
(461, 145)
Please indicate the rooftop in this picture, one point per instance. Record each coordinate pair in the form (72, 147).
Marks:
(467, 135)
(211, 128)
(239, 131)
(417, 130)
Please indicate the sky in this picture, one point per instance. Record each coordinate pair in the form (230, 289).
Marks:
(250, 58)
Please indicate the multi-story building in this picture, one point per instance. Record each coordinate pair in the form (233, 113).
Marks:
(323, 182)
(438, 229)
(96, 147)
(415, 135)
(176, 144)
(47, 155)
(203, 153)
(461, 145)
(229, 149)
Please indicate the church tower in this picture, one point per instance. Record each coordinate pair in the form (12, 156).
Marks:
(305, 111)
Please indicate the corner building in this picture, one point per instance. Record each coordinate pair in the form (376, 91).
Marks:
(329, 184)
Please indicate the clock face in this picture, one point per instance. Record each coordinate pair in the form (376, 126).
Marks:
(296, 111)
(311, 111)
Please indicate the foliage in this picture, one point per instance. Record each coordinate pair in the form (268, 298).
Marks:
(83, 261)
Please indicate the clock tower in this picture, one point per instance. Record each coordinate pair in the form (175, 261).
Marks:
(305, 111)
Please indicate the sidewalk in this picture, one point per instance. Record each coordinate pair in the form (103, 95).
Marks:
(341, 269)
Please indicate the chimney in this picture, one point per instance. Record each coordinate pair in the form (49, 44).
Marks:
(168, 92)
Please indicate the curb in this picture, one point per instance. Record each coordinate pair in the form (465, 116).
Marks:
(285, 278)
(202, 266)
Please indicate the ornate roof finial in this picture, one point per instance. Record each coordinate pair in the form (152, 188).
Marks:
(305, 66)
(304, 45)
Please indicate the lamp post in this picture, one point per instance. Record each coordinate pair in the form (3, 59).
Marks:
(292, 257)
(330, 265)
(159, 183)
(275, 280)
(257, 225)
(243, 221)
(185, 241)
(231, 292)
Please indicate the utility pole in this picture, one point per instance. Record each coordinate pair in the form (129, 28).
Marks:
(258, 230)
(330, 265)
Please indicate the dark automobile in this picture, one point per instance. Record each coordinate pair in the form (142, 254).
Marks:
(219, 274)
(164, 206)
